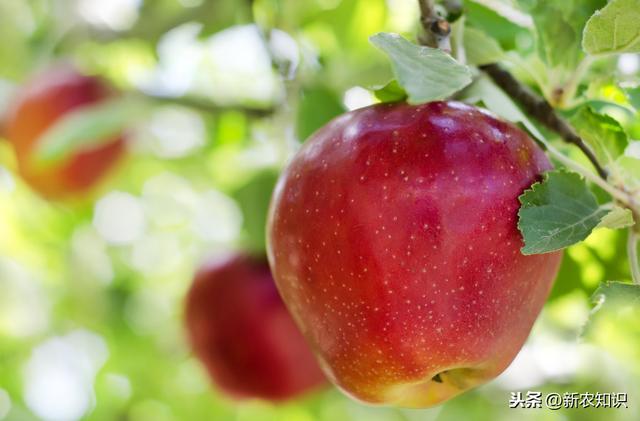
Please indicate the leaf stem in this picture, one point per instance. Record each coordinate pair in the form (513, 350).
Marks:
(632, 251)
(586, 173)
(571, 86)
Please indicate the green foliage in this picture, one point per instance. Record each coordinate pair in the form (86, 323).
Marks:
(87, 128)
(480, 48)
(614, 29)
(617, 218)
(504, 27)
(627, 169)
(391, 92)
(559, 28)
(427, 74)
(317, 106)
(634, 96)
(604, 134)
(556, 213)
(616, 297)
(253, 199)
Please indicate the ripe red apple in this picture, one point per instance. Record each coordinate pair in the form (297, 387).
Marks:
(393, 241)
(43, 100)
(244, 335)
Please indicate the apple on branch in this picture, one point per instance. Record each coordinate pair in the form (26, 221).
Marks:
(242, 332)
(41, 102)
(393, 240)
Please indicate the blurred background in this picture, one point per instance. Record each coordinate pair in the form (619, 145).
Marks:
(223, 93)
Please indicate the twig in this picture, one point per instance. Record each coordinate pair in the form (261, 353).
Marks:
(538, 108)
(436, 28)
(632, 251)
(208, 106)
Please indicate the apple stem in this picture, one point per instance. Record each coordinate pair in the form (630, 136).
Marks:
(632, 251)
(569, 91)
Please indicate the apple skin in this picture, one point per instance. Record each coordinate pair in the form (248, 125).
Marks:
(240, 329)
(43, 100)
(393, 240)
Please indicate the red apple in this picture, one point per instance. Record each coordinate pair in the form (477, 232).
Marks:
(393, 241)
(42, 101)
(244, 335)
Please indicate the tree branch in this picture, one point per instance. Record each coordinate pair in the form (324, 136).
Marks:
(436, 28)
(538, 108)
(209, 107)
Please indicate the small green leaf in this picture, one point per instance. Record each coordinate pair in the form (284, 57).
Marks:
(613, 29)
(603, 133)
(427, 74)
(557, 41)
(617, 218)
(503, 10)
(602, 106)
(556, 213)
(616, 308)
(559, 26)
(627, 169)
(611, 295)
(633, 94)
(86, 128)
(391, 92)
(480, 48)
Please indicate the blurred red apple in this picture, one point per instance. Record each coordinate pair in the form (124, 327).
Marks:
(244, 335)
(393, 241)
(43, 100)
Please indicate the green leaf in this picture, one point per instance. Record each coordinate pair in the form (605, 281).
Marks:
(391, 92)
(506, 24)
(557, 41)
(556, 213)
(427, 74)
(614, 295)
(480, 48)
(617, 218)
(633, 94)
(614, 29)
(559, 27)
(87, 128)
(318, 105)
(627, 169)
(503, 10)
(616, 309)
(602, 106)
(603, 133)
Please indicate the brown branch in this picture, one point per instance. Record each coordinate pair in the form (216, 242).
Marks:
(436, 28)
(538, 108)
